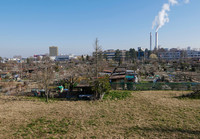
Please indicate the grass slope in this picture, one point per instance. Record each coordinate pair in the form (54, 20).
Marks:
(144, 115)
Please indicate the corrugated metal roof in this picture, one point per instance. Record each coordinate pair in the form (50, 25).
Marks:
(118, 77)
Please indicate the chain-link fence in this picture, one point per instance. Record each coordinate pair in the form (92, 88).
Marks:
(154, 86)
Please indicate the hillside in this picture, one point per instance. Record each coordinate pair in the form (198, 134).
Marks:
(146, 114)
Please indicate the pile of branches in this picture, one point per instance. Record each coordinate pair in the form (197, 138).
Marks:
(195, 94)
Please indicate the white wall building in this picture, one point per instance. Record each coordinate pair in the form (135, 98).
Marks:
(172, 54)
(193, 53)
(62, 58)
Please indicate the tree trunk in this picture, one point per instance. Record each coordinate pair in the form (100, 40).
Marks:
(102, 95)
(47, 99)
(96, 95)
(47, 94)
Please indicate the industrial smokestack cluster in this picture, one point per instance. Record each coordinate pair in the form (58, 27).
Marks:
(162, 18)
(156, 41)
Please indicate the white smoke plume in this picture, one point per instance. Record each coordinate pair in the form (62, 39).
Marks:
(186, 1)
(173, 2)
(163, 16)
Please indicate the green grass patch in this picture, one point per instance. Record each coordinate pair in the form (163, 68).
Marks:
(117, 95)
(145, 82)
(42, 127)
(43, 99)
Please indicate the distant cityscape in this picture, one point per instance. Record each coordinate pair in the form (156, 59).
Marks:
(110, 54)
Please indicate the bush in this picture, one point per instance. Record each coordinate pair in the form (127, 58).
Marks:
(117, 95)
(101, 86)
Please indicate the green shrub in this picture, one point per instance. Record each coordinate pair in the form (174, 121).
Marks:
(117, 95)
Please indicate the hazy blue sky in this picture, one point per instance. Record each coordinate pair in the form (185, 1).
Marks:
(29, 27)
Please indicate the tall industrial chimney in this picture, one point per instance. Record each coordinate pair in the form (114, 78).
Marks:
(150, 41)
(156, 41)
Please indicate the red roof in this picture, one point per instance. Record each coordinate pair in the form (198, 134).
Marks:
(107, 71)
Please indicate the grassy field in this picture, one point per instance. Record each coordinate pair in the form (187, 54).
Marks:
(156, 114)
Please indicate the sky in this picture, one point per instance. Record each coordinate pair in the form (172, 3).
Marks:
(29, 27)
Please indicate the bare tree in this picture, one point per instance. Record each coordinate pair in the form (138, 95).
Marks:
(97, 52)
(1, 59)
(71, 76)
(100, 85)
(44, 76)
(74, 73)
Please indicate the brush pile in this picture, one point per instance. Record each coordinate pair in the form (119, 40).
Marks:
(195, 94)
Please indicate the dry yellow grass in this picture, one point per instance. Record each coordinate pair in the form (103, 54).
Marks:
(145, 115)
